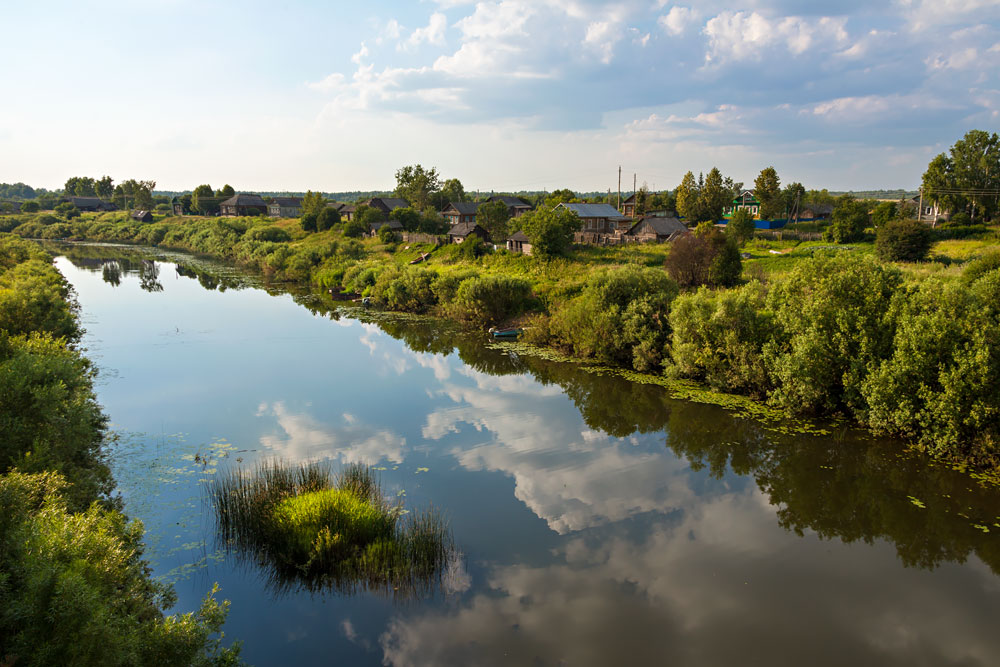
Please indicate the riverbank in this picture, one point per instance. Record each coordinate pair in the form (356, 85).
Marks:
(76, 589)
(905, 350)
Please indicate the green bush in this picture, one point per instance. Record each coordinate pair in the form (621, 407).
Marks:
(327, 218)
(833, 324)
(407, 290)
(903, 241)
(271, 233)
(620, 317)
(34, 298)
(550, 230)
(848, 222)
(471, 248)
(29, 207)
(980, 266)
(941, 384)
(309, 222)
(741, 227)
(386, 234)
(75, 590)
(489, 300)
(446, 285)
(355, 229)
(719, 338)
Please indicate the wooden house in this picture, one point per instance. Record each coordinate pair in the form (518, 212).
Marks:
(653, 229)
(387, 204)
(463, 230)
(243, 204)
(177, 206)
(92, 204)
(628, 206)
(346, 210)
(285, 207)
(394, 225)
(519, 242)
(463, 211)
(515, 205)
(599, 218)
(817, 212)
(745, 200)
(142, 216)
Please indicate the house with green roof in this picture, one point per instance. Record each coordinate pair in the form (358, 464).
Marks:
(745, 200)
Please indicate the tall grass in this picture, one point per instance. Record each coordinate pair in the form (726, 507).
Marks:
(307, 527)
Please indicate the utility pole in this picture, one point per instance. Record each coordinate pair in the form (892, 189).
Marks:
(635, 199)
(619, 188)
(920, 206)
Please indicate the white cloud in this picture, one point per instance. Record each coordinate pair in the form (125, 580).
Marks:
(432, 33)
(735, 36)
(677, 20)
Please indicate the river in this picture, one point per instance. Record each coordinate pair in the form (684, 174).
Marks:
(599, 521)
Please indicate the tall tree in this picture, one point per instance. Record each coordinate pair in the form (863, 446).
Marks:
(687, 196)
(767, 190)
(201, 193)
(976, 168)
(493, 217)
(713, 196)
(642, 200)
(144, 195)
(226, 191)
(938, 184)
(416, 184)
(452, 190)
(104, 187)
(313, 203)
(793, 196)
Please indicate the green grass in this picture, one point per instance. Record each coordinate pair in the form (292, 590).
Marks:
(308, 528)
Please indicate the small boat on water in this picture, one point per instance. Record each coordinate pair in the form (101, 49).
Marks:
(506, 333)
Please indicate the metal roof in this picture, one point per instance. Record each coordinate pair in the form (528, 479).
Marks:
(594, 211)
(464, 207)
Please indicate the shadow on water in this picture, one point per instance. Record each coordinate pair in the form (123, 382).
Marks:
(846, 486)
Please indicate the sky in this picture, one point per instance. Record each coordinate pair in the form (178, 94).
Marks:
(505, 96)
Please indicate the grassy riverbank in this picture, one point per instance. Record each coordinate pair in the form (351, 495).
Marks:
(814, 329)
(74, 588)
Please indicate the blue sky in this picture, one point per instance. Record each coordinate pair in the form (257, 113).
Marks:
(506, 95)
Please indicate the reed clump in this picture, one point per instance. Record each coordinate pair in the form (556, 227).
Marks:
(308, 527)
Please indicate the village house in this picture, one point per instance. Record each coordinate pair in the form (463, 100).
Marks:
(285, 207)
(177, 206)
(816, 212)
(142, 216)
(628, 206)
(91, 204)
(653, 229)
(243, 204)
(346, 210)
(928, 210)
(394, 225)
(519, 242)
(745, 200)
(387, 204)
(463, 230)
(599, 218)
(463, 211)
(515, 205)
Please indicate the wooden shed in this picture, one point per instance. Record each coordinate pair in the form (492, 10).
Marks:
(519, 242)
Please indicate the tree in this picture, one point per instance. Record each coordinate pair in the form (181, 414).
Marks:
(226, 191)
(79, 186)
(309, 222)
(143, 191)
(741, 227)
(687, 196)
(903, 241)
(452, 190)
(416, 185)
(198, 196)
(713, 196)
(29, 207)
(313, 202)
(563, 196)
(793, 196)
(883, 213)
(767, 190)
(68, 211)
(366, 215)
(550, 230)
(493, 216)
(407, 216)
(105, 188)
(355, 228)
(968, 177)
(327, 218)
(849, 219)
(642, 200)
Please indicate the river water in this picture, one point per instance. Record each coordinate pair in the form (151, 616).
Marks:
(599, 521)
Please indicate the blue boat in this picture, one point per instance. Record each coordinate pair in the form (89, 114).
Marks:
(506, 333)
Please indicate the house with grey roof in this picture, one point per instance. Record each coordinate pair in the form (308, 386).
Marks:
(515, 205)
(461, 211)
(519, 242)
(464, 230)
(243, 204)
(655, 229)
(598, 218)
(285, 207)
(387, 204)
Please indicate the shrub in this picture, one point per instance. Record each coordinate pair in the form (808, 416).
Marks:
(67, 210)
(883, 213)
(980, 266)
(903, 241)
(489, 300)
(327, 218)
(446, 285)
(77, 591)
(849, 219)
(719, 338)
(705, 258)
(355, 228)
(960, 219)
(941, 385)
(408, 290)
(407, 216)
(269, 233)
(620, 317)
(29, 207)
(386, 234)
(550, 230)
(309, 222)
(33, 298)
(471, 248)
(833, 324)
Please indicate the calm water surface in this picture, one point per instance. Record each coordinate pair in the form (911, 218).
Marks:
(600, 522)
